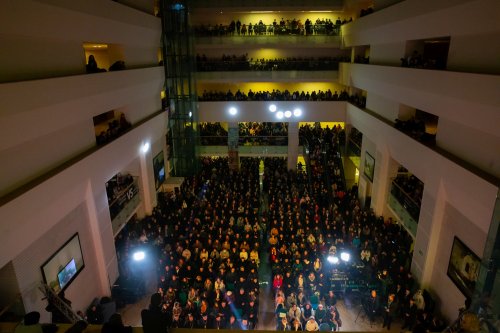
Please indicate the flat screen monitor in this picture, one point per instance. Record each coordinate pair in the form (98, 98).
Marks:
(67, 273)
(61, 269)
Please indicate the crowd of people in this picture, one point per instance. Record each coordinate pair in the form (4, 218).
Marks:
(263, 133)
(411, 185)
(92, 67)
(274, 95)
(283, 27)
(115, 129)
(366, 11)
(213, 134)
(207, 237)
(416, 129)
(210, 233)
(307, 231)
(243, 63)
(417, 60)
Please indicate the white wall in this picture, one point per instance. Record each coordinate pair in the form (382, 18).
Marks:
(82, 184)
(387, 108)
(45, 37)
(472, 145)
(388, 54)
(454, 224)
(469, 100)
(28, 264)
(474, 53)
(417, 19)
(31, 128)
(445, 183)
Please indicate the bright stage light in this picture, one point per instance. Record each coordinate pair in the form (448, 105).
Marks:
(288, 114)
(233, 111)
(272, 108)
(279, 115)
(139, 255)
(333, 259)
(345, 256)
(297, 112)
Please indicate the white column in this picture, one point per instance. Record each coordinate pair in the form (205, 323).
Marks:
(146, 180)
(293, 145)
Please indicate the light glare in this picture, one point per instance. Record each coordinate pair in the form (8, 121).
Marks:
(297, 112)
(272, 108)
(345, 256)
(333, 259)
(288, 114)
(139, 255)
(279, 115)
(145, 147)
(233, 111)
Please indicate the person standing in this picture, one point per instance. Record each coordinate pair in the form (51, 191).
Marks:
(153, 319)
(389, 311)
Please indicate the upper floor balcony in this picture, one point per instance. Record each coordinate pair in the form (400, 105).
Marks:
(320, 35)
(271, 4)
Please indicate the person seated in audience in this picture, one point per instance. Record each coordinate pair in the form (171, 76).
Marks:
(294, 313)
(311, 325)
(115, 325)
(283, 325)
(30, 324)
(78, 327)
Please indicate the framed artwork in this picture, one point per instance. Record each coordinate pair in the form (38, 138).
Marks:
(463, 268)
(369, 167)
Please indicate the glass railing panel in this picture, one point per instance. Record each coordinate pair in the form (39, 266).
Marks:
(213, 140)
(124, 205)
(405, 200)
(267, 65)
(294, 28)
(263, 140)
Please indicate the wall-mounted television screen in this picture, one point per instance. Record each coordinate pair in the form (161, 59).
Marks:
(65, 275)
(159, 169)
(64, 265)
(463, 268)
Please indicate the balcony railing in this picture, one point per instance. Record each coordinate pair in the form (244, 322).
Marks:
(263, 140)
(267, 65)
(123, 206)
(213, 140)
(405, 199)
(298, 29)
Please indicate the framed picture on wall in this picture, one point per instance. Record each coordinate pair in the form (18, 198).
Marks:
(369, 167)
(463, 268)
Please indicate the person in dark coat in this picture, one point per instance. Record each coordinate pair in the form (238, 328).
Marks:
(115, 325)
(153, 319)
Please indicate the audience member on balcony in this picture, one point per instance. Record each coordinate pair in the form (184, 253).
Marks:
(92, 66)
(117, 66)
(115, 129)
(366, 11)
(275, 95)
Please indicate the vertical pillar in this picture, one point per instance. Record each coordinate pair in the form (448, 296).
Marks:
(293, 145)
(106, 271)
(145, 180)
(232, 145)
(432, 213)
(385, 169)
